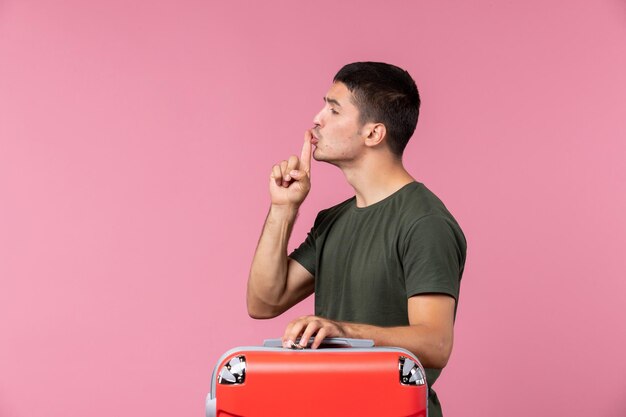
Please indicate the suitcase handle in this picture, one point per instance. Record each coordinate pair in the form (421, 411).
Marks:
(330, 342)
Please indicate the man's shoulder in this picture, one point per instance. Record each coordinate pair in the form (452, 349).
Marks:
(419, 205)
(415, 201)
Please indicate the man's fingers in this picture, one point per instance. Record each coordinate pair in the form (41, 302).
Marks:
(311, 327)
(292, 164)
(319, 338)
(287, 335)
(292, 331)
(283, 172)
(277, 175)
(297, 175)
(305, 157)
(310, 330)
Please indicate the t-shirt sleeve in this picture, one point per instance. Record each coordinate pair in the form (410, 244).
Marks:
(305, 253)
(433, 257)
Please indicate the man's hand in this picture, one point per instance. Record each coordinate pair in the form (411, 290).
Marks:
(307, 326)
(290, 180)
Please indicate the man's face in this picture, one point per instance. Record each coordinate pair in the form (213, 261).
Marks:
(337, 128)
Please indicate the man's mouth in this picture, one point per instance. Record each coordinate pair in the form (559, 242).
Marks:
(314, 138)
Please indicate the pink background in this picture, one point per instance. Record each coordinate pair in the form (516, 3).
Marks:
(136, 140)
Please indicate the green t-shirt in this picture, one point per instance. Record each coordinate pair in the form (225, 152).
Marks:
(368, 261)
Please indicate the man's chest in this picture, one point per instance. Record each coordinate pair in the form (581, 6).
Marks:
(360, 276)
(360, 251)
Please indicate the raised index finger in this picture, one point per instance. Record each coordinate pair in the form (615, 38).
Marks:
(305, 157)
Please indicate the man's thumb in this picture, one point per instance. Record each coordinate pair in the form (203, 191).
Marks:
(297, 174)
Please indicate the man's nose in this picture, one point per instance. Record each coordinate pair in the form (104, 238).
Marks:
(317, 120)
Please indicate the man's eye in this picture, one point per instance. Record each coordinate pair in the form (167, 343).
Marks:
(333, 111)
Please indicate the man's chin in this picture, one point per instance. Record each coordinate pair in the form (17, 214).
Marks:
(321, 158)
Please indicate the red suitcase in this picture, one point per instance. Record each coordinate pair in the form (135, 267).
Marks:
(344, 377)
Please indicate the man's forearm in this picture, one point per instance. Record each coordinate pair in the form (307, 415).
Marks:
(430, 346)
(268, 274)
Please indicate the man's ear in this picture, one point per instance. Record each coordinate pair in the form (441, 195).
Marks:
(377, 132)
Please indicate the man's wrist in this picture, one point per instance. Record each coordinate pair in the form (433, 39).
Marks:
(359, 330)
(284, 211)
(350, 330)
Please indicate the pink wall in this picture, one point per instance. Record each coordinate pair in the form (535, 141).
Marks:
(135, 143)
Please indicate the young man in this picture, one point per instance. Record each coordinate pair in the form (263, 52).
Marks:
(385, 264)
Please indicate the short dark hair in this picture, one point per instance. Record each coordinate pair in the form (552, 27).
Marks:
(385, 94)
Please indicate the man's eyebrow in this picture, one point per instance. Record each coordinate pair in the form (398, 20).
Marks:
(332, 101)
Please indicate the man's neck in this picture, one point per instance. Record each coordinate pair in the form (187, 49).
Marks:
(375, 178)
